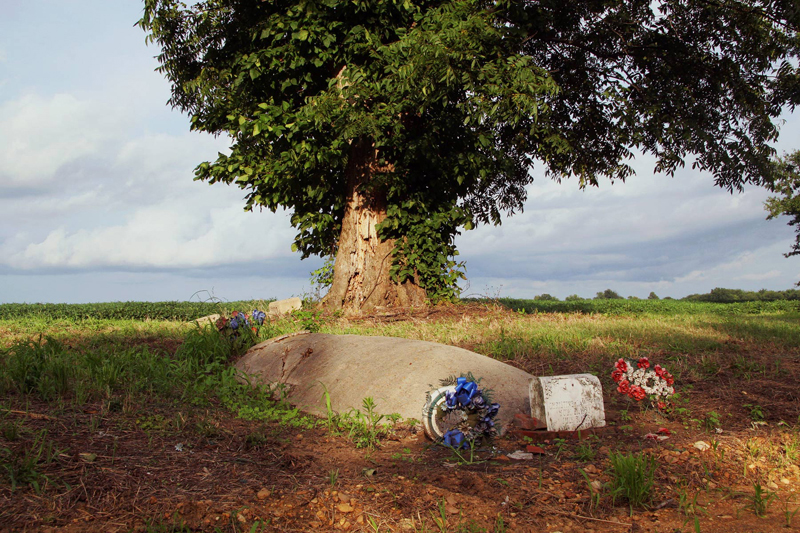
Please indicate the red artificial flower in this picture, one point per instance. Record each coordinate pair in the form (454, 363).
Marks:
(637, 393)
(616, 375)
(255, 329)
(222, 322)
(662, 405)
(621, 365)
(668, 377)
(664, 431)
(624, 386)
(643, 363)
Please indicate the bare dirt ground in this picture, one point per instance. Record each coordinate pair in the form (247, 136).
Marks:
(201, 470)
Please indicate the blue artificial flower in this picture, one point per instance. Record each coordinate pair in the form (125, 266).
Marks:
(234, 323)
(450, 400)
(259, 316)
(455, 439)
(493, 409)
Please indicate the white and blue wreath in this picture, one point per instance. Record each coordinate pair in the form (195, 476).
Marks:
(460, 414)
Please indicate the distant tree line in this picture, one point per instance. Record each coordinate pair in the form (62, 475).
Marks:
(718, 294)
(738, 295)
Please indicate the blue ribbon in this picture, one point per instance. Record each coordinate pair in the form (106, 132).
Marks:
(465, 390)
(455, 439)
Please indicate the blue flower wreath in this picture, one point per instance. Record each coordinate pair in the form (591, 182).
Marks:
(239, 320)
(477, 414)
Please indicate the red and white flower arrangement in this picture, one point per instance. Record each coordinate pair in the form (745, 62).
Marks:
(637, 380)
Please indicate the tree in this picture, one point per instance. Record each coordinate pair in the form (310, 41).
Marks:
(387, 127)
(723, 295)
(608, 294)
(787, 185)
(653, 296)
(545, 297)
(573, 298)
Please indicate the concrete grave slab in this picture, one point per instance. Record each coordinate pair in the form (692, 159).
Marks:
(282, 307)
(396, 373)
(568, 403)
(210, 320)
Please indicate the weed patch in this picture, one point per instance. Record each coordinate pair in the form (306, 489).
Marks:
(22, 466)
(363, 428)
(632, 477)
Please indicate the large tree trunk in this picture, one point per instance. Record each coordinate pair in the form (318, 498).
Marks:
(361, 279)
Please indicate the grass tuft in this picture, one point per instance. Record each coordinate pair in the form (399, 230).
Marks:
(632, 477)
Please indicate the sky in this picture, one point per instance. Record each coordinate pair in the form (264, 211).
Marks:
(98, 202)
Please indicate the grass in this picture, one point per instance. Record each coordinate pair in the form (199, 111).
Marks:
(650, 307)
(681, 327)
(69, 358)
(632, 477)
(560, 336)
(759, 501)
(363, 428)
(80, 356)
(585, 451)
(22, 467)
(46, 369)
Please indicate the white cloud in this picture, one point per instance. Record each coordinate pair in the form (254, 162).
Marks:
(675, 235)
(96, 173)
(40, 135)
(162, 236)
(747, 270)
(99, 193)
(742, 261)
(772, 274)
(645, 210)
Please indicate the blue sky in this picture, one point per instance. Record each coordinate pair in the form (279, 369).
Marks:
(97, 201)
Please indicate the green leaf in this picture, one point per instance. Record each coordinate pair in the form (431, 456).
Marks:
(460, 100)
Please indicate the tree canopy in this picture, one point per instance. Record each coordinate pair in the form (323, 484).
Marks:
(608, 294)
(786, 184)
(431, 114)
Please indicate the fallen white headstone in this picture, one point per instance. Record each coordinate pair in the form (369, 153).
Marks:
(210, 320)
(397, 373)
(281, 307)
(568, 403)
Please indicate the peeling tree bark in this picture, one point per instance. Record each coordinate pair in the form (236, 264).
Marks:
(361, 279)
